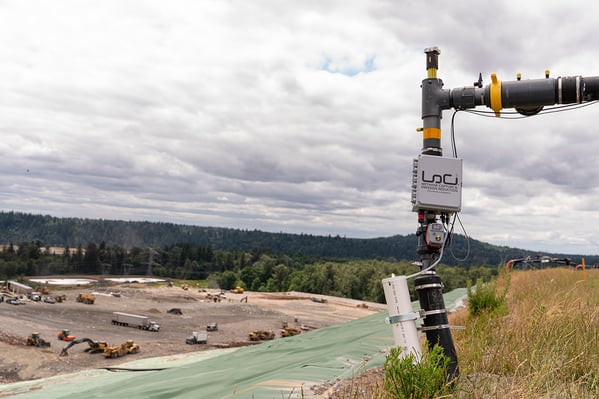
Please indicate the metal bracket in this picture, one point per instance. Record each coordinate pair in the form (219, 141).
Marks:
(401, 317)
(441, 327)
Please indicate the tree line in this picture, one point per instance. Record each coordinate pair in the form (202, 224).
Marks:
(259, 269)
(18, 227)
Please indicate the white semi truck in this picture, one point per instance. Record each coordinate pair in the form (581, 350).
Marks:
(134, 320)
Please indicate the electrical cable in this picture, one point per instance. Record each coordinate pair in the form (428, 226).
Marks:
(466, 236)
(456, 216)
(517, 115)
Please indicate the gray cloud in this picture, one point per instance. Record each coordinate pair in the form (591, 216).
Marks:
(289, 117)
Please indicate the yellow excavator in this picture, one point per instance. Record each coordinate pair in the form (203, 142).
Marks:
(94, 346)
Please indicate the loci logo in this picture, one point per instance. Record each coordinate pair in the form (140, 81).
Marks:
(447, 178)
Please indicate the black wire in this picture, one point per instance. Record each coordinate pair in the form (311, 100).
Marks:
(453, 144)
(448, 242)
(491, 114)
(517, 115)
(466, 236)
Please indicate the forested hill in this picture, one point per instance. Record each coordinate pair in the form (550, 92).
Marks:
(51, 231)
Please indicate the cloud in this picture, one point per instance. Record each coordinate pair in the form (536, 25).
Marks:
(295, 117)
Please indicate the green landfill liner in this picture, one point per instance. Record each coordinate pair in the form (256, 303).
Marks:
(281, 368)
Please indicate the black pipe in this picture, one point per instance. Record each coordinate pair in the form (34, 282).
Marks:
(435, 324)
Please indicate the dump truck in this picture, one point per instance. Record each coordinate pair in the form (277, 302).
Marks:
(88, 299)
(127, 347)
(289, 332)
(261, 335)
(134, 320)
(197, 338)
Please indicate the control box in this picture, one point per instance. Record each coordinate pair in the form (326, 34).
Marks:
(435, 235)
(437, 184)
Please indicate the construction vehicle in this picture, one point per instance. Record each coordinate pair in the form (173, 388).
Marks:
(174, 311)
(134, 320)
(537, 262)
(35, 340)
(65, 335)
(126, 348)
(197, 338)
(289, 332)
(87, 299)
(237, 290)
(60, 298)
(261, 335)
(215, 297)
(35, 296)
(212, 327)
(49, 299)
(94, 346)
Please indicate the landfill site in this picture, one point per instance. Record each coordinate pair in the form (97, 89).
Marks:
(52, 338)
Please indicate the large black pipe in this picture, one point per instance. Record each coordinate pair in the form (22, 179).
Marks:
(530, 93)
(435, 323)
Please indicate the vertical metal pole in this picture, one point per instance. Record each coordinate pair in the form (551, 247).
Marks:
(429, 285)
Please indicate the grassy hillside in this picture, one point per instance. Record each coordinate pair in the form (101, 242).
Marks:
(545, 344)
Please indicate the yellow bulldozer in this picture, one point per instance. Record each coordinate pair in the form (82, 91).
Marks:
(126, 348)
(88, 299)
(35, 340)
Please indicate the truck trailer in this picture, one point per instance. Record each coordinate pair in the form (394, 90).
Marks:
(134, 320)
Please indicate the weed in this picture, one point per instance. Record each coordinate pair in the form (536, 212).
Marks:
(407, 379)
(485, 298)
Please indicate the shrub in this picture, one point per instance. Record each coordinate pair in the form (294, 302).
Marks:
(407, 379)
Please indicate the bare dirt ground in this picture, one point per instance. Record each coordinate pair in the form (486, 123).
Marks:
(237, 315)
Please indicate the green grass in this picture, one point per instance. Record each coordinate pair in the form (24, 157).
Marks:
(534, 334)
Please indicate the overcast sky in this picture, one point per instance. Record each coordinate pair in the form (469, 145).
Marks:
(292, 116)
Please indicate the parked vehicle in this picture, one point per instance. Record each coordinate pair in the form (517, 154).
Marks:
(197, 338)
(134, 320)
